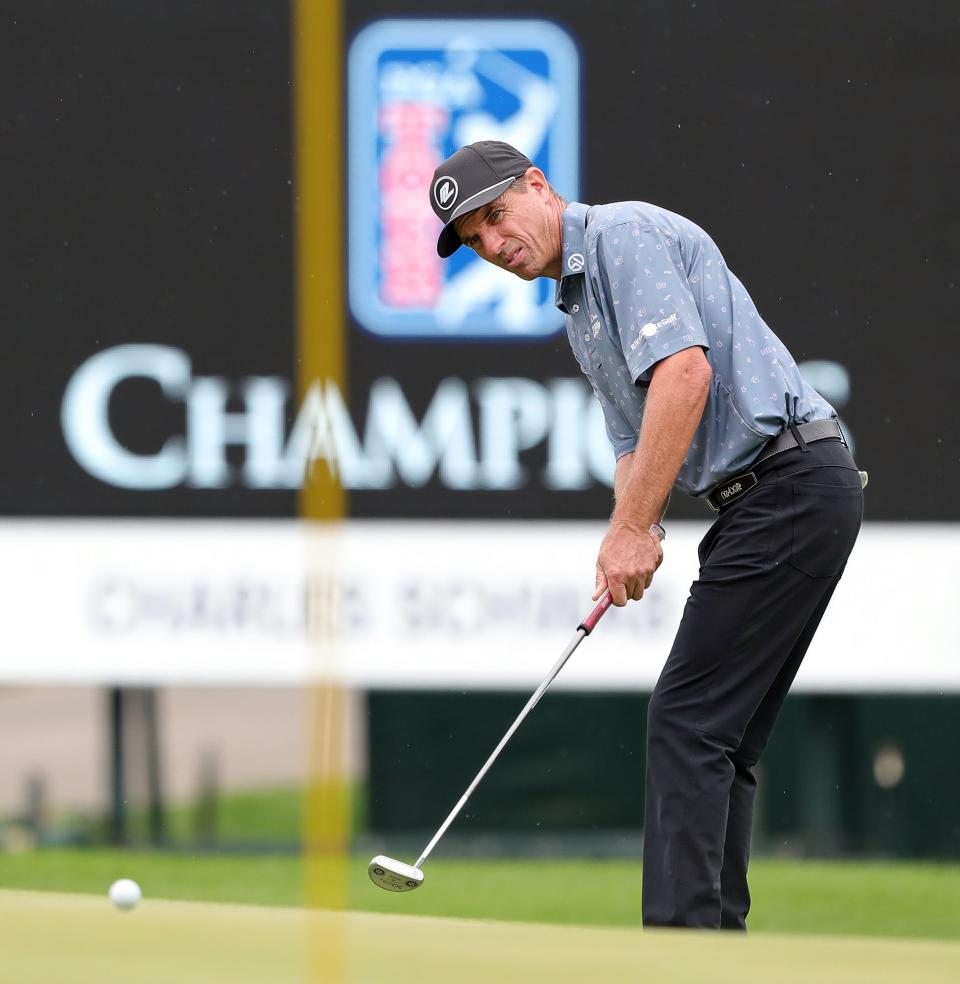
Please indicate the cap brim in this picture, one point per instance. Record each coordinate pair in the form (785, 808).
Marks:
(449, 242)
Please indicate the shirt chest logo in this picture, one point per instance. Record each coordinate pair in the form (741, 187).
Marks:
(575, 262)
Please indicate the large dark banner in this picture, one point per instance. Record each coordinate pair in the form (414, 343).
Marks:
(148, 243)
(147, 164)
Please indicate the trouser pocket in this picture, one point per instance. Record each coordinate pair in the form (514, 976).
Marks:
(826, 520)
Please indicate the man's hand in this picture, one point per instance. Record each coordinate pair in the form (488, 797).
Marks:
(627, 561)
(676, 397)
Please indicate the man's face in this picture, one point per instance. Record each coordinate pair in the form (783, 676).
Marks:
(519, 232)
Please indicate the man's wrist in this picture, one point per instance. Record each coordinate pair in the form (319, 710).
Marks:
(627, 526)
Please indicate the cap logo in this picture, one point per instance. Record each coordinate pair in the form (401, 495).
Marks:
(445, 192)
(575, 262)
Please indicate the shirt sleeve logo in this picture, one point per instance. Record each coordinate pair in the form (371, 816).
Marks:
(575, 262)
(651, 327)
(445, 192)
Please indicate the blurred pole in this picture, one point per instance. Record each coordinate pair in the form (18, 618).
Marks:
(156, 813)
(135, 768)
(118, 795)
(320, 313)
(205, 815)
(35, 812)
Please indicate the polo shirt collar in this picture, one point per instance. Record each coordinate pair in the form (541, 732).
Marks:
(574, 234)
(574, 256)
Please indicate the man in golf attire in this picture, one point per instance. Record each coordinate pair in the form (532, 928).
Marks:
(697, 393)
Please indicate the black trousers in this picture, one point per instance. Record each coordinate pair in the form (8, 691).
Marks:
(768, 567)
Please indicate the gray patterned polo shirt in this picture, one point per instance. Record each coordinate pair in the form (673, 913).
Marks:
(640, 283)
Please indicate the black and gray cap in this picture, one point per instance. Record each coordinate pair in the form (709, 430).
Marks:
(472, 177)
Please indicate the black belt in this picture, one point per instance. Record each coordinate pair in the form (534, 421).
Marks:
(728, 492)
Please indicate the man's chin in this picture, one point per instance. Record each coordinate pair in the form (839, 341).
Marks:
(525, 273)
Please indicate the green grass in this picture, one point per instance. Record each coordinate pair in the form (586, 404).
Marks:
(256, 879)
(844, 898)
(269, 817)
(52, 937)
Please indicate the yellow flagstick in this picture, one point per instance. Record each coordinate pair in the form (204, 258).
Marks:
(319, 192)
(318, 215)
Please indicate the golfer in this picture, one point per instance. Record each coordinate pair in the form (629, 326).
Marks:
(698, 394)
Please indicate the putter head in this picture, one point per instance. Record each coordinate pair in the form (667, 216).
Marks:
(394, 876)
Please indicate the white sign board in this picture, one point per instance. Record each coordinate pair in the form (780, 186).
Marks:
(483, 605)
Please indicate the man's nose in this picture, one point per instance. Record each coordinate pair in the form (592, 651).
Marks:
(492, 242)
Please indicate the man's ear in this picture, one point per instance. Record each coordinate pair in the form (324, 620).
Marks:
(536, 179)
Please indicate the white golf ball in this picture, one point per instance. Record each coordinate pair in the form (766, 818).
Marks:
(125, 894)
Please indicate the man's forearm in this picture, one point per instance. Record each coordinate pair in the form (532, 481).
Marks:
(622, 473)
(675, 401)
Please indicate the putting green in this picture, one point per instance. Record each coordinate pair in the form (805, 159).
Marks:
(45, 937)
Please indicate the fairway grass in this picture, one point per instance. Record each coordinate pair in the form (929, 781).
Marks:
(48, 937)
(821, 898)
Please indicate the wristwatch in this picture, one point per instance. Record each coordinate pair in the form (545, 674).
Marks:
(658, 531)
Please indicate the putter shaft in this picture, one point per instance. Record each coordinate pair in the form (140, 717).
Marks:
(583, 630)
(531, 704)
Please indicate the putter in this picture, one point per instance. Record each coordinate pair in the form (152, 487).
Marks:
(395, 876)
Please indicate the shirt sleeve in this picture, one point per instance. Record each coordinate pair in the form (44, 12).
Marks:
(647, 296)
(622, 437)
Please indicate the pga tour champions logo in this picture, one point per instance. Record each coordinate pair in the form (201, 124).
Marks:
(418, 91)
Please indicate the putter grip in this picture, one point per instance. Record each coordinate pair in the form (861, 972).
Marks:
(590, 622)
